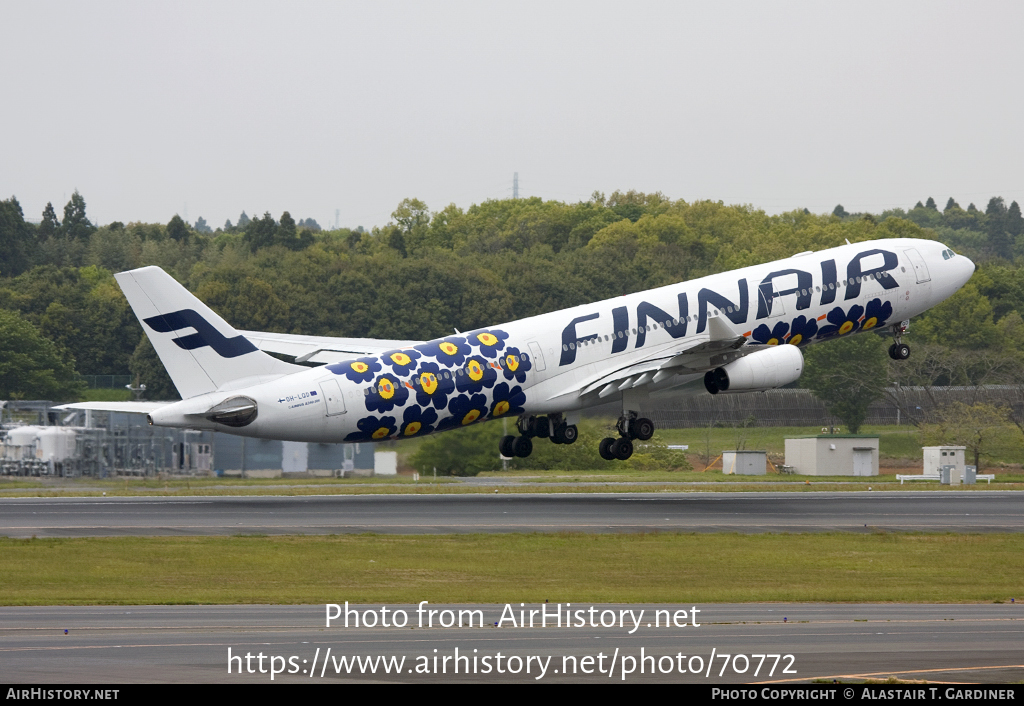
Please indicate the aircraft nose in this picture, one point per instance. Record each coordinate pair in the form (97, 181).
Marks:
(966, 269)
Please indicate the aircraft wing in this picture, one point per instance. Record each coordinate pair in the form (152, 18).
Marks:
(129, 407)
(321, 349)
(717, 346)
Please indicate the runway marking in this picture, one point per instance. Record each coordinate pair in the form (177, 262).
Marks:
(908, 671)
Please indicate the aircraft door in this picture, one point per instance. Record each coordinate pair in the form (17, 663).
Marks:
(334, 401)
(920, 267)
(538, 356)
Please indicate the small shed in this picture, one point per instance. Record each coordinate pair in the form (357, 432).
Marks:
(833, 455)
(745, 463)
(935, 457)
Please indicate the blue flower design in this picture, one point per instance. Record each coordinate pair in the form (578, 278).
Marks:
(358, 371)
(507, 402)
(449, 352)
(877, 314)
(464, 410)
(477, 375)
(842, 323)
(515, 365)
(417, 422)
(386, 394)
(771, 336)
(802, 331)
(401, 361)
(373, 429)
(433, 385)
(489, 341)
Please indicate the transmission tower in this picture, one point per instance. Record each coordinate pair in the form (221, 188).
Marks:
(515, 185)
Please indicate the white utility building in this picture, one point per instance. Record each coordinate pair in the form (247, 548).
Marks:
(745, 463)
(833, 455)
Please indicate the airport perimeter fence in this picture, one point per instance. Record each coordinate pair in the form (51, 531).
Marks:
(799, 408)
(106, 382)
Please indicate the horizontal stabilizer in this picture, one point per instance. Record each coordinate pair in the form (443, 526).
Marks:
(126, 407)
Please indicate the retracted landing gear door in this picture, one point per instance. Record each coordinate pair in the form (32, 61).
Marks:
(333, 398)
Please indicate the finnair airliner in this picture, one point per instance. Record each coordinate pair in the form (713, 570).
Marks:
(739, 331)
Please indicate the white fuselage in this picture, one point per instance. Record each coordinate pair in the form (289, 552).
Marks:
(559, 356)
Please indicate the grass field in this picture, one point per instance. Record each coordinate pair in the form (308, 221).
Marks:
(660, 567)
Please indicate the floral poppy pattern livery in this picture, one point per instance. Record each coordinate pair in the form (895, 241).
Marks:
(771, 336)
(373, 429)
(450, 352)
(514, 365)
(452, 385)
(475, 376)
(386, 394)
(489, 342)
(803, 330)
(842, 322)
(432, 385)
(358, 371)
(878, 312)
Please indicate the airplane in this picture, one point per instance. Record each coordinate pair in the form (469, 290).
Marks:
(738, 331)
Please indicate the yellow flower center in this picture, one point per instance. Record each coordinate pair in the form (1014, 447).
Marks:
(500, 408)
(429, 383)
(870, 323)
(474, 370)
(471, 417)
(387, 389)
(512, 362)
(773, 341)
(412, 428)
(488, 339)
(795, 340)
(380, 433)
(449, 348)
(360, 367)
(401, 358)
(846, 327)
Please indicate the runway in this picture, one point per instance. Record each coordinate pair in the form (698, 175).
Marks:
(931, 511)
(189, 644)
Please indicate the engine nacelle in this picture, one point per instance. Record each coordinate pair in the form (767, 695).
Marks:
(764, 370)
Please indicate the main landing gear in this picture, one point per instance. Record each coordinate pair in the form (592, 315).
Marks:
(899, 350)
(550, 427)
(630, 427)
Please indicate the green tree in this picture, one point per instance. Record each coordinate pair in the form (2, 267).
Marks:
(975, 426)
(32, 366)
(847, 375)
(15, 238)
(49, 226)
(930, 203)
(75, 225)
(460, 452)
(995, 225)
(177, 229)
(260, 232)
(950, 204)
(839, 211)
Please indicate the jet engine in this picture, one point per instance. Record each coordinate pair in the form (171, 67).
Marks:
(772, 367)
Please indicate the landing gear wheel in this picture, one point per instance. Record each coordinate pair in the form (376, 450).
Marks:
(522, 446)
(539, 427)
(569, 434)
(622, 449)
(605, 449)
(642, 429)
(902, 351)
(506, 447)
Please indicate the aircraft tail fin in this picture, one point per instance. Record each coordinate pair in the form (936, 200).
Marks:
(200, 350)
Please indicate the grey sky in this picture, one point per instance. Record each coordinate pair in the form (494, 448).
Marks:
(308, 107)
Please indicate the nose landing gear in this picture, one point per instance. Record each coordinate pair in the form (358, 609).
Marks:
(899, 350)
